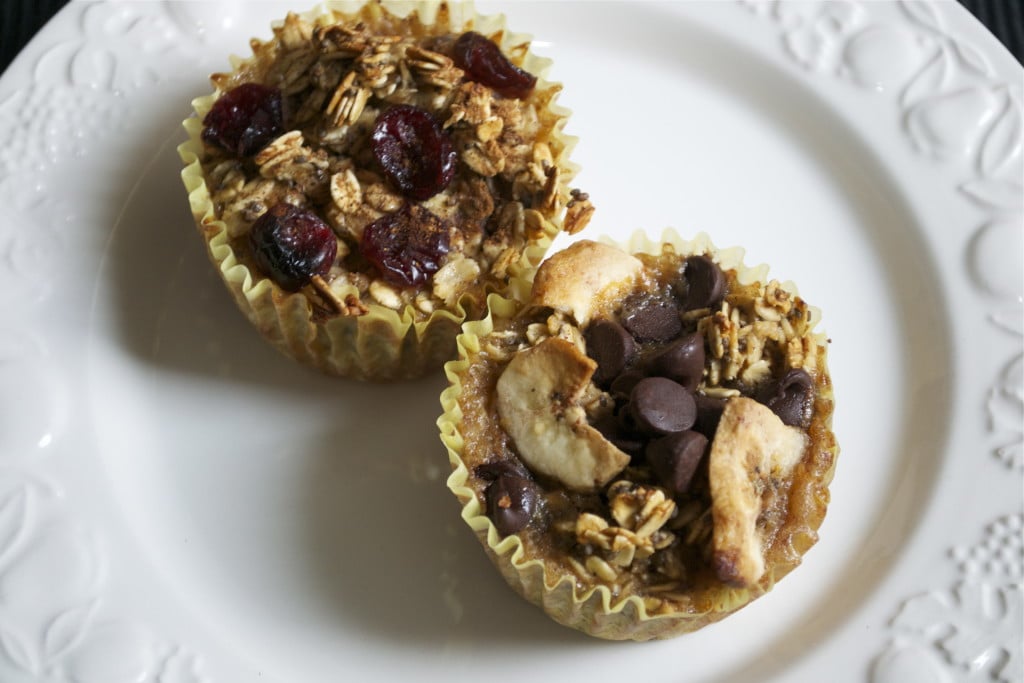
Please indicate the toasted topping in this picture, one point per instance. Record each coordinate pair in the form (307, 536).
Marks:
(751, 326)
(454, 278)
(623, 385)
(611, 347)
(709, 413)
(578, 212)
(539, 399)
(651, 319)
(751, 447)
(791, 398)
(705, 283)
(288, 159)
(660, 406)
(675, 458)
(682, 361)
(640, 513)
(574, 278)
(511, 501)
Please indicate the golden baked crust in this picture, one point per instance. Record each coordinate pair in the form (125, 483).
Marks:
(636, 560)
(338, 71)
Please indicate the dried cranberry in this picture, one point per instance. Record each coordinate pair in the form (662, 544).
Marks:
(292, 245)
(484, 63)
(245, 119)
(406, 246)
(414, 151)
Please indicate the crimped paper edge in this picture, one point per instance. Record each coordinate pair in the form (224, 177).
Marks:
(371, 346)
(595, 611)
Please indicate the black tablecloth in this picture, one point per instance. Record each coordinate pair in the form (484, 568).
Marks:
(20, 19)
(1004, 18)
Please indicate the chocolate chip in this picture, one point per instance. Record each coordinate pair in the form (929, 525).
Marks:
(611, 346)
(709, 414)
(705, 283)
(489, 471)
(624, 383)
(681, 361)
(790, 398)
(511, 501)
(621, 435)
(624, 415)
(675, 458)
(651, 319)
(660, 406)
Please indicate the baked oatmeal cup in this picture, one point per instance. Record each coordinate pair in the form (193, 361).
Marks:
(369, 175)
(643, 446)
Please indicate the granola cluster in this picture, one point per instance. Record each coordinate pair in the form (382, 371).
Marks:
(337, 77)
(639, 513)
(759, 327)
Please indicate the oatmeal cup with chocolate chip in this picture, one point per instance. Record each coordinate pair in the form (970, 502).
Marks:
(643, 445)
(366, 178)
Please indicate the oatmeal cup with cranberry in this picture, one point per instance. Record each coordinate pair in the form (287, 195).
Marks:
(643, 445)
(365, 179)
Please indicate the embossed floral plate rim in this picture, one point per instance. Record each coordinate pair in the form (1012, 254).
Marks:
(940, 93)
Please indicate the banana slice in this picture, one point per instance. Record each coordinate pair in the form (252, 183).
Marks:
(538, 401)
(573, 279)
(751, 447)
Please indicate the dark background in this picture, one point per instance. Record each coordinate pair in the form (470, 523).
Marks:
(20, 19)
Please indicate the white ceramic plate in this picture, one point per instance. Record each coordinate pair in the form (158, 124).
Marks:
(179, 504)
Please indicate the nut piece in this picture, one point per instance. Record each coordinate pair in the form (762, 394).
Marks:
(538, 400)
(751, 447)
(578, 212)
(454, 278)
(572, 279)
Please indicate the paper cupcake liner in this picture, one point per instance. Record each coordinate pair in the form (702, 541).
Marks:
(384, 343)
(596, 611)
